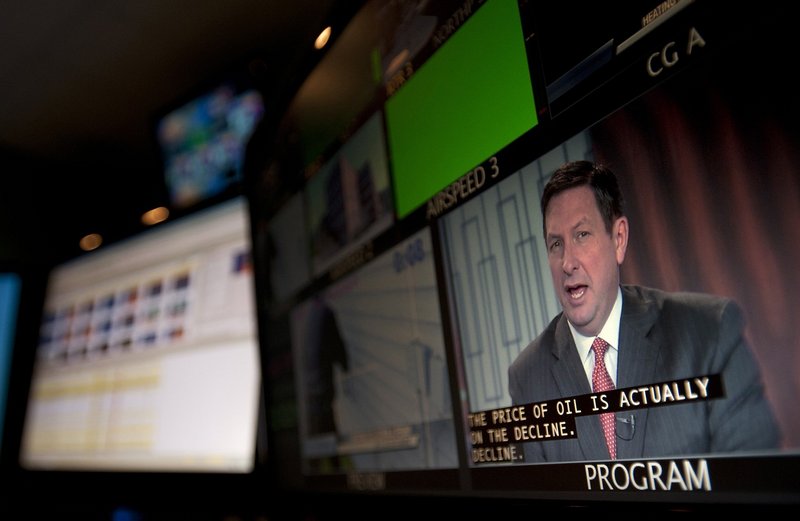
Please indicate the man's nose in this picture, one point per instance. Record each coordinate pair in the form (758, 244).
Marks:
(569, 262)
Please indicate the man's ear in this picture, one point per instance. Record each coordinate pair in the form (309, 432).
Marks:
(619, 233)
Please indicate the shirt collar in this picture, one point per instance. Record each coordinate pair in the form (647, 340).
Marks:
(609, 332)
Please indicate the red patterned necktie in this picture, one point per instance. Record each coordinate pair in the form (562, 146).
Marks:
(601, 382)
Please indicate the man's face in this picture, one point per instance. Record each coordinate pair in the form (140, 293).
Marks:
(584, 258)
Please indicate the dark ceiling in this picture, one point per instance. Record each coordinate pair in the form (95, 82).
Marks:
(81, 82)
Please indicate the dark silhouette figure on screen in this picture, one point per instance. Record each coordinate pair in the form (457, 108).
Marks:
(326, 351)
(652, 336)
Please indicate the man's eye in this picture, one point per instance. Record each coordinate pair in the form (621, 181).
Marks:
(554, 245)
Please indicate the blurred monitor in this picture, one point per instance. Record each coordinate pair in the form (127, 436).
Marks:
(10, 287)
(203, 141)
(148, 356)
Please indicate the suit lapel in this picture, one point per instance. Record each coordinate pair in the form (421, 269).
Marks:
(570, 379)
(637, 363)
(568, 370)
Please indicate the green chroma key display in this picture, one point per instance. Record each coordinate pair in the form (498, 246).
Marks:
(470, 99)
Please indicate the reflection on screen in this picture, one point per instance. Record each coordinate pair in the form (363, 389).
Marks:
(371, 370)
(148, 358)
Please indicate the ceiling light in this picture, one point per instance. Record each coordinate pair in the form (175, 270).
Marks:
(91, 241)
(155, 216)
(323, 38)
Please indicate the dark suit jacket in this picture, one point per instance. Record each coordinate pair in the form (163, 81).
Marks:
(663, 336)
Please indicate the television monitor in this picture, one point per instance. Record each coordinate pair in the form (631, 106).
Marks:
(348, 200)
(22, 282)
(469, 99)
(10, 287)
(706, 177)
(290, 265)
(370, 368)
(148, 357)
(693, 113)
(202, 142)
(382, 44)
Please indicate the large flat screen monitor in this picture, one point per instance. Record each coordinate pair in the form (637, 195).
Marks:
(473, 287)
(148, 355)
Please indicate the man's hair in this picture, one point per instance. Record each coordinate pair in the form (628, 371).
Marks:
(599, 178)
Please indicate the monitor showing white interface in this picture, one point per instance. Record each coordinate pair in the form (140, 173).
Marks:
(148, 354)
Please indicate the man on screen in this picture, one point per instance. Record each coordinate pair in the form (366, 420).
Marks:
(648, 335)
